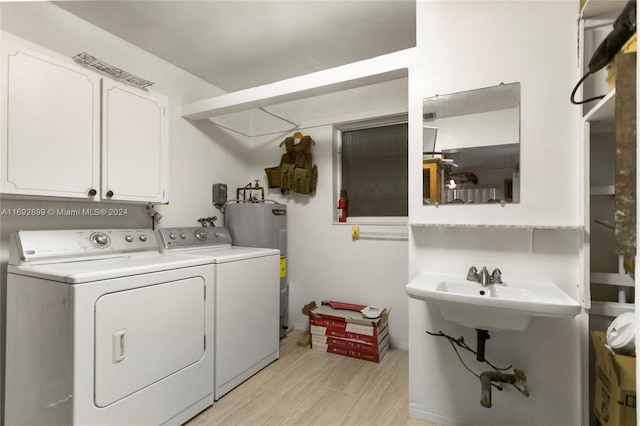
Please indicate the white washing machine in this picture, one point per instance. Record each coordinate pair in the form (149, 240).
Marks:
(247, 301)
(103, 329)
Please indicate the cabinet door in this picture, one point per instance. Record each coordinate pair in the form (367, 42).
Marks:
(50, 127)
(134, 144)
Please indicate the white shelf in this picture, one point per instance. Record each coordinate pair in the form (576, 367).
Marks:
(458, 225)
(610, 309)
(603, 190)
(604, 111)
(593, 8)
(612, 278)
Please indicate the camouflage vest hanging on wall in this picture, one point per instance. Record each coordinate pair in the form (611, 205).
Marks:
(296, 171)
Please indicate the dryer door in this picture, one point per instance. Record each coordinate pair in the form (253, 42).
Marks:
(146, 334)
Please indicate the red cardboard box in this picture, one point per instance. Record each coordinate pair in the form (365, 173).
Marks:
(343, 328)
(373, 338)
(351, 344)
(346, 315)
(375, 357)
(367, 330)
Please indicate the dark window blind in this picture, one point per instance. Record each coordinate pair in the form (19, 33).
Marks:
(374, 170)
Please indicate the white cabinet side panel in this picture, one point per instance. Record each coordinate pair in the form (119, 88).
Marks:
(38, 357)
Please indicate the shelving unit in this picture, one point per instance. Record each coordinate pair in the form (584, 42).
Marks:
(611, 288)
(608, 289)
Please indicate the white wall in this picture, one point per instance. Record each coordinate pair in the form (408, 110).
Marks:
(549, 351)
(465, 45)
(468, 45)
(323, 262)
(200, 153)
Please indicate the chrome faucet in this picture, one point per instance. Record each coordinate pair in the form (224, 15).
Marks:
(496, 276)
(472, 275)
(483, 276)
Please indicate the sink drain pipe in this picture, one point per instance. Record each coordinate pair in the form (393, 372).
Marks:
(483, 336)
(517, 378)
(488, 378)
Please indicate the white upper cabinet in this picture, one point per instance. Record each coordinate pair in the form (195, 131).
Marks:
(64, 136)
(134, 144)
(50, 127)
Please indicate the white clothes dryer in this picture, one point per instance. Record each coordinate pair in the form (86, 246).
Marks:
(247, 301)
(103, 329)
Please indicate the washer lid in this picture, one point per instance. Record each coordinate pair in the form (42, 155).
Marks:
(102, 269)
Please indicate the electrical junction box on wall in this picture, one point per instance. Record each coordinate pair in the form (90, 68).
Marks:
(219, 193)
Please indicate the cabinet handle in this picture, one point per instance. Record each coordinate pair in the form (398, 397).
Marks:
(109, 193)
(92, 192)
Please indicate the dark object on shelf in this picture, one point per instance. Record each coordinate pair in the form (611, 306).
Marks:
(623, 28)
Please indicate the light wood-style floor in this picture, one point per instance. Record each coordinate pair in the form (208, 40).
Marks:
(309, 387)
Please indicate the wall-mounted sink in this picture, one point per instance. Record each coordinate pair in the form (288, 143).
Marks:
(507, 306)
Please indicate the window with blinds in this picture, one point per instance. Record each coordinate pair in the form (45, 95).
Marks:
(374, 170)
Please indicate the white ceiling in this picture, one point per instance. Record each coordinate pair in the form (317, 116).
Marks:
(240, 44)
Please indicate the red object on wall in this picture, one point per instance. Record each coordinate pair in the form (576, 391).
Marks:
(343, 202)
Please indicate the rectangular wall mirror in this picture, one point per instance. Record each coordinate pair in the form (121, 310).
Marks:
(471, 146)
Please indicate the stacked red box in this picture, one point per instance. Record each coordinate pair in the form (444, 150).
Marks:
(343, 329)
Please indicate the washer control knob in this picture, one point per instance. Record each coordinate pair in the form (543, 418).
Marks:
(183, 235)
(201, 235)
(143, 237)
(172, 236)
(217, 234)
(99, 239)
(128, 238)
